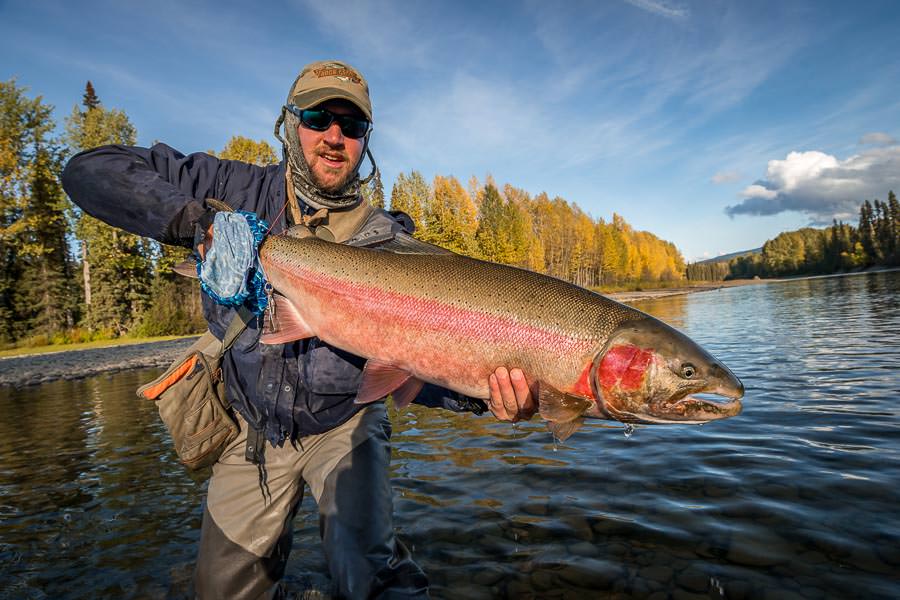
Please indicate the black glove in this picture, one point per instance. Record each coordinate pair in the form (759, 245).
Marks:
(189, 226)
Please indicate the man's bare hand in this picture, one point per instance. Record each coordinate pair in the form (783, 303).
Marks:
(511, 398)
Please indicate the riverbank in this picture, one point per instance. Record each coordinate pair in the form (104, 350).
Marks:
(30, 368)
(33, 369)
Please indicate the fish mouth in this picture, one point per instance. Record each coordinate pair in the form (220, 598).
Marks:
(687, 407)
(697, 408)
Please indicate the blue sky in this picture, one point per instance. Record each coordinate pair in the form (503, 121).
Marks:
(714, 124)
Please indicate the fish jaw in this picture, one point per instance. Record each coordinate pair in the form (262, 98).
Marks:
(649, 372)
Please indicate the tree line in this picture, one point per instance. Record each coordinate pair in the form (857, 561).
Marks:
(67, 277)
(548, 235)
(875, 241)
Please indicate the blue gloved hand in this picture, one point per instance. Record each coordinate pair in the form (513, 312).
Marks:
(230, 272)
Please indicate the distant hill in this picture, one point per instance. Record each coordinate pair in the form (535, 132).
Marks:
(727, 257)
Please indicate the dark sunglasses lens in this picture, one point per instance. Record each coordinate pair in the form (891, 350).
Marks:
(353, 127)
(319, 120)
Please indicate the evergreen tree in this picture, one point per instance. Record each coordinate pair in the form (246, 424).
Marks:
(883, 232)
(866, 229)
(893, 211)
(502, 232)
(90, 100)
(35, 268)
(411, 194)
(116, 266)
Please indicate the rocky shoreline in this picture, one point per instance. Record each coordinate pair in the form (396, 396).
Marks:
(34, 369)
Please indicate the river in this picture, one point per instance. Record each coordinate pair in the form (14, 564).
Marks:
(798, 497)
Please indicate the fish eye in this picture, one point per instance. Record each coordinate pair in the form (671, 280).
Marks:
(688, 370)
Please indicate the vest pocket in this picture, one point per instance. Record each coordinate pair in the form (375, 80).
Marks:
(331, 376)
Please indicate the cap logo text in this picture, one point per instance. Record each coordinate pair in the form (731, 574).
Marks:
(342, 73)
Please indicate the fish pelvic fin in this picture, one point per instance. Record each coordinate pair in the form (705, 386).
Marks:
(406, 393)
(288, 325)
(380, 379)
(563, 412)
(563, 430)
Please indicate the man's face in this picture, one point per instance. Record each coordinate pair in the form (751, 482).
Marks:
(332, 157)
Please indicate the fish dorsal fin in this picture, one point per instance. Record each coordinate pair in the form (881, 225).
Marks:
(563, 412)
(403, 243)
(380, 379)
(289, 325)
(406, 393)
(563, 430)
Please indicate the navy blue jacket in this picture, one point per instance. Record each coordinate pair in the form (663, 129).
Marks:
(289, 390)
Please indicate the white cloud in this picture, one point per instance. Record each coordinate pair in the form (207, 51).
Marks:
(877, 138)
(663, 9)
(725, 177)
(820, 185)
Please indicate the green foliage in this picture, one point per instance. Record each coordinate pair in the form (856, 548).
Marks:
(35, 267)
(172, 311)
(503, 229)
(411, 194)
(809, 251)
(116, 266)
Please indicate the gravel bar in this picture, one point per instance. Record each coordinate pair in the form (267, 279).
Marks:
(34, 369)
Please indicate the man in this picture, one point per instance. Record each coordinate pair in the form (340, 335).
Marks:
(294, 402)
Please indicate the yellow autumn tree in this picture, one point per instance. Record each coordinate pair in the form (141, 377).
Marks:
(246, 150)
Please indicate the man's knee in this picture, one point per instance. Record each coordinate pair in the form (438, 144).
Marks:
(226, 570)
(356, 511)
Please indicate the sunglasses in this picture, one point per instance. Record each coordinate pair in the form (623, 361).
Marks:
(319, 119)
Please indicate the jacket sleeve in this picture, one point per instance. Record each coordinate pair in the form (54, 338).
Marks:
(154, 192)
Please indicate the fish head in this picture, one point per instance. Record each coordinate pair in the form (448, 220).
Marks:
(649, 372)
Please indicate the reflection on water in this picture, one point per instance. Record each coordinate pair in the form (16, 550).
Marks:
(796, 497)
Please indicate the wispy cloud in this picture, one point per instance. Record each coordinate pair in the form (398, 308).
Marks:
(877, 138)
(663, 9)
(725, 177)
(820, 185)
(380, 31)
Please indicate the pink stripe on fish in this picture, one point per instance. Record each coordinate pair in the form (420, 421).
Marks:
(430, 315)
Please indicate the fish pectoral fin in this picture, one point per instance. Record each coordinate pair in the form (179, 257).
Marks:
(558, 406)
(380, 379)
(289, 325)
(187, 268)
(406, 393)
(563, 430)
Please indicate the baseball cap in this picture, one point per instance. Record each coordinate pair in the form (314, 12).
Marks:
(330, 80)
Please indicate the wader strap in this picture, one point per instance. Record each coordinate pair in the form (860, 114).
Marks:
(255, 439)
(238, 325)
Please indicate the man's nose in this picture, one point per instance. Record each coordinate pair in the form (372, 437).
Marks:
(333, 135)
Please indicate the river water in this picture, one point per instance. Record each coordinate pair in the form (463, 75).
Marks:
(798, 497)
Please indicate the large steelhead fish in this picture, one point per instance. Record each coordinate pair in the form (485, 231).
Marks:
(422, 314)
